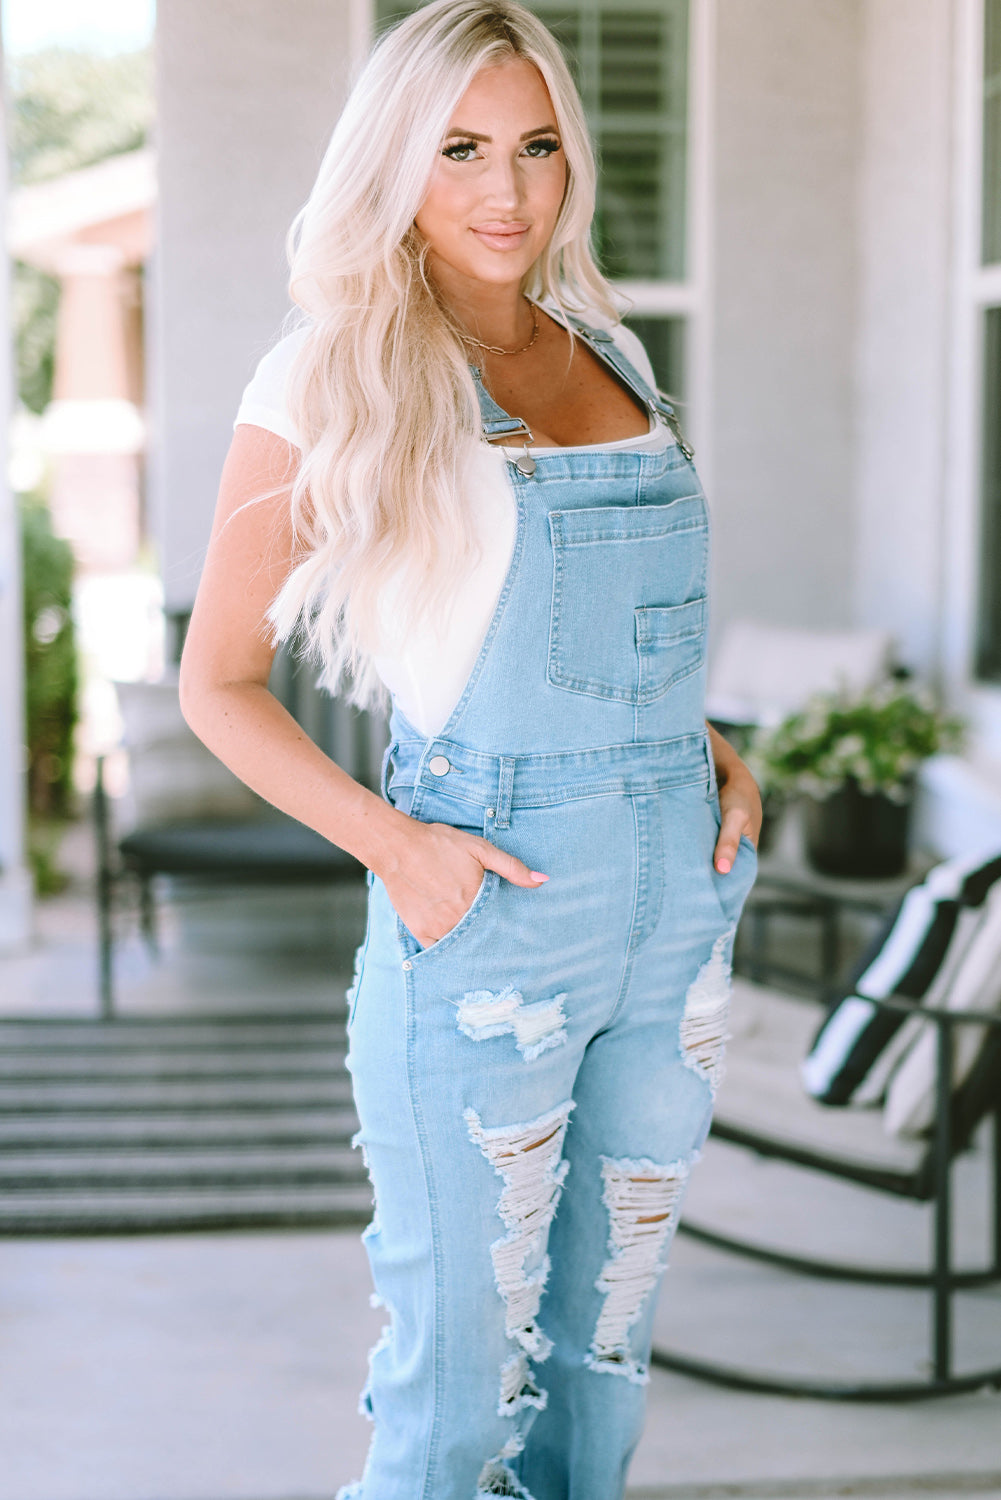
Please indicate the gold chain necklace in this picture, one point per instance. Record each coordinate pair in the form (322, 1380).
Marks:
(493, 349)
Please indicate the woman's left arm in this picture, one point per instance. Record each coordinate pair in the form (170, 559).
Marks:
(739, 801)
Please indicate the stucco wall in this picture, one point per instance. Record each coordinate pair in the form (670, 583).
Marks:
(248, 92)
(786, 149)
(905, 230)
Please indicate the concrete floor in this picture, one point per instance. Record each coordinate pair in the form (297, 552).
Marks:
(227, 1366)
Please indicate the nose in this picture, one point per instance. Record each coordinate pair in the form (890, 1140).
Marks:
(503, 186)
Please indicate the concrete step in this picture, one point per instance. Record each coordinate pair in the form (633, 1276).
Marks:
(162, 1128)
(141, 1210)
(262, 1094)
(227, 1032)
(177, 1123)
(177, 1063)
(319, 1164)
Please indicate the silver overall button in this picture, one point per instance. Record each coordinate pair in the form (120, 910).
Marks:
(439, 765)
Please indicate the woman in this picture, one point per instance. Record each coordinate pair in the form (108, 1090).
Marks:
(458, 479)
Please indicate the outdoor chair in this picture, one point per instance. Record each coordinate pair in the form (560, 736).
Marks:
(916, 1069)
(186, 815)
(760, 673)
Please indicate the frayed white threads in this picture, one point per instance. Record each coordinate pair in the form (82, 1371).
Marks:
(536, 1027)
(518, 1389)
(703, 1030)
(528, 1159)
(496, 1479)
(373, 1227)
(643, 1201)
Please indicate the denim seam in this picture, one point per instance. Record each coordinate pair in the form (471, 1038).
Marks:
(612, 537)
(583, 792)
(640, 697)
(558, 672)
(691, 738)
(359, 973)
(455, 717)
(555, 468)
(627, 965)
(432, 1204)
(488, 885)
(650, 860)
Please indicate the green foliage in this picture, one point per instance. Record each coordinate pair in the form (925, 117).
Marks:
(45, 836)
(34, 304)
(66, 109)
(70, 109)
(877, 739)
(51, 672)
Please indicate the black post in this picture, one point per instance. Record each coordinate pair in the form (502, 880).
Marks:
(942, 1274)
(104, 893)
(997, 1188)
(830, 951)
(756, 958)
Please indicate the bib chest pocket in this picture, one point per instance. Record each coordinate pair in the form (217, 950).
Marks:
(629, 598)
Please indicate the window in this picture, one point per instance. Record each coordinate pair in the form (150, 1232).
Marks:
(988, 646)
(630, 62)
(992, 133)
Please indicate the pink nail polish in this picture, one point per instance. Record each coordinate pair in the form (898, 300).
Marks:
(723, 866)
(538, 875)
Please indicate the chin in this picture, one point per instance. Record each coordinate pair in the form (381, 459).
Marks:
(498, 269)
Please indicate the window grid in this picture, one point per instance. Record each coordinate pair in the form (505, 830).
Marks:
(631, 66)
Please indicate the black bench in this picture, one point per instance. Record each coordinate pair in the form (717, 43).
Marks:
(186, 816)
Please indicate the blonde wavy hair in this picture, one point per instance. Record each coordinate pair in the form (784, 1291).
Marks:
(380, 390)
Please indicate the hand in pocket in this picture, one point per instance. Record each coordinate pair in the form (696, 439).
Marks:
(435, 875)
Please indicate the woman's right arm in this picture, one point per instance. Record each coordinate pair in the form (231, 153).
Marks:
(431, 871)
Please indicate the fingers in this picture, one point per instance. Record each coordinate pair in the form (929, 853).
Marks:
(734, 824)
(508, 865)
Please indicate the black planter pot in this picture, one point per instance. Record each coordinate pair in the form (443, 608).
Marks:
(863, 834)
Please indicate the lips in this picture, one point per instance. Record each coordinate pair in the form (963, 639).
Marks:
(500, 235)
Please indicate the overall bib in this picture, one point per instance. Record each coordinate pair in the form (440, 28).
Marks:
(534, 1087)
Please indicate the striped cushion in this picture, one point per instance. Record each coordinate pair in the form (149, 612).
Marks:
(924, 946)
(975, 986)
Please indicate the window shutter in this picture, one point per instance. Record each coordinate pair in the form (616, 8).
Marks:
(631, 66)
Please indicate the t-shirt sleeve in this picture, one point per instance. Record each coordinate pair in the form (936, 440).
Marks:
(263, 403)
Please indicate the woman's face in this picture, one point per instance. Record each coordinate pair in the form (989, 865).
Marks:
(496, 190)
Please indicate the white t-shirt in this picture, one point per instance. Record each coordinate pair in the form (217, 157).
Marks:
(427, 670)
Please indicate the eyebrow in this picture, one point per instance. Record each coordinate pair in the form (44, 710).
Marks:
(472, 135)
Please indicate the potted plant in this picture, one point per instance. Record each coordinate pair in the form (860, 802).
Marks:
(853, 759)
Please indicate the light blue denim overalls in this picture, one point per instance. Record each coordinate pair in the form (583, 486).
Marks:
(534, 1087)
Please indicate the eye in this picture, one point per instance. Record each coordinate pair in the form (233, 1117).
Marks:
(542, 148)
(456, 151)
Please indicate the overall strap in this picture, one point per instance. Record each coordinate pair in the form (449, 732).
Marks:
(495, 420)
(603, 344)
(498, 423)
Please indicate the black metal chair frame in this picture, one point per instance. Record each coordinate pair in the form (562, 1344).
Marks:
(958, 1113)
(781, 892)
(234, 851)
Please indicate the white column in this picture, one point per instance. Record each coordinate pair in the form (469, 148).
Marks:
(247, 94)
(786, 126)
(15, 882)
(902, 516)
